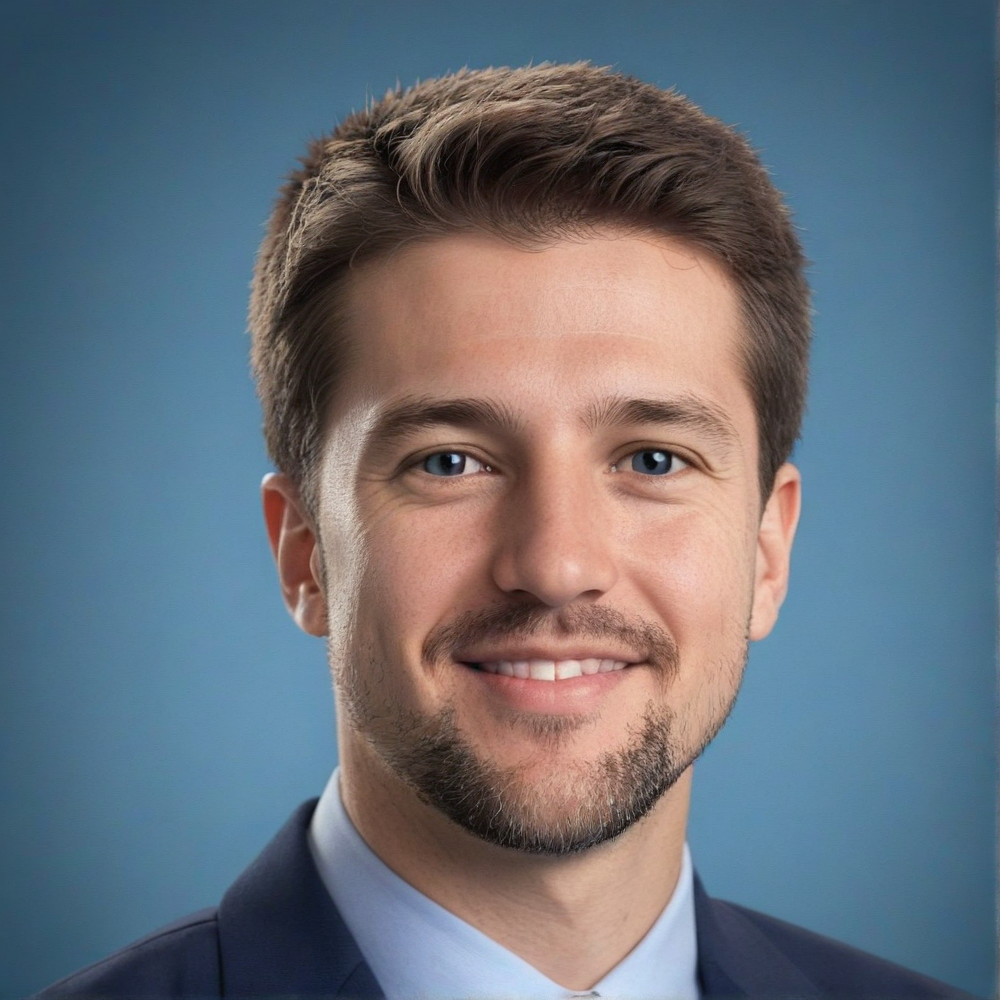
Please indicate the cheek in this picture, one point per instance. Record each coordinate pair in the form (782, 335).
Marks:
(696, 572)
(421, 567)
(696, 575)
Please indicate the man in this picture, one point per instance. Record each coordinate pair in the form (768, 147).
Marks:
(531, 346)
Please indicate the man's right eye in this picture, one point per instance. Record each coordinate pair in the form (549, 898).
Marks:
(452, 463)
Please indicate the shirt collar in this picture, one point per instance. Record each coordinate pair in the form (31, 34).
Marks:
(418, 949)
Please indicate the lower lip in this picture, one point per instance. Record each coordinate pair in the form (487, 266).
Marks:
(565, 697)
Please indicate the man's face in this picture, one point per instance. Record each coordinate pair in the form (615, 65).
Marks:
(539, 528)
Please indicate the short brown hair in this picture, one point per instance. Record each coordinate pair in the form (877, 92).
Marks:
(529, 154)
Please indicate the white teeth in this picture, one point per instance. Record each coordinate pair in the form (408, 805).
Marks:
(565, 669)
(542, 670)
(551, 670)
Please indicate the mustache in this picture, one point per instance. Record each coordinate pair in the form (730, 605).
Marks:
(517, 621)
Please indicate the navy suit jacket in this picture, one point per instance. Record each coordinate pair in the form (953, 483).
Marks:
(277, 933)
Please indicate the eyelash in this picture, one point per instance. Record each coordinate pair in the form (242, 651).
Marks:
(673, 455)
(417, 463)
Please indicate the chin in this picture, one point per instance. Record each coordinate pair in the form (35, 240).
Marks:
(555, 810)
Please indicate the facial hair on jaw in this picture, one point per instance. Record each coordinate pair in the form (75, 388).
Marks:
(493, 802)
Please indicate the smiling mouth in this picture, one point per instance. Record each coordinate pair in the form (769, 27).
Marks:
(549, 670)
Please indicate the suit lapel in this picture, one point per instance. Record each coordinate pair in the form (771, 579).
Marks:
(736, 960)
(279, 932)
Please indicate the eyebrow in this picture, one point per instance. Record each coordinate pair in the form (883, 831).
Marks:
(414, 414)
(689, 412)
(411, 415)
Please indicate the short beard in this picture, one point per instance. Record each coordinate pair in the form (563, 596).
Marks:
(493, 803)
(496, 803)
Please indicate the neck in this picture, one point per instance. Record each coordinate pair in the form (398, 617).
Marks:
(573, 918)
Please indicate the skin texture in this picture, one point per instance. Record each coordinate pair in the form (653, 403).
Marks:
(550, 545)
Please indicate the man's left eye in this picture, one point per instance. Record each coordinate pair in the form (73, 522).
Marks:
(655, 462)
(452, 463)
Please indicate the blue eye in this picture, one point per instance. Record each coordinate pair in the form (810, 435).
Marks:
(655, 462)
(451, 463)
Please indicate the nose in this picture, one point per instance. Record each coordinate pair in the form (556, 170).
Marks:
(555, 542)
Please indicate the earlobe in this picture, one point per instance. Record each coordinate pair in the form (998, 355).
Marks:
(774, 549)
(296, 554)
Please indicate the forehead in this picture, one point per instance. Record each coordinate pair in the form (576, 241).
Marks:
(551, 329)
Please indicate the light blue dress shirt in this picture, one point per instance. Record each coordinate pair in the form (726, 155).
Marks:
(418, 949)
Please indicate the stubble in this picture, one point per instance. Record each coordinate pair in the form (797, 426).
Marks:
(572, 808)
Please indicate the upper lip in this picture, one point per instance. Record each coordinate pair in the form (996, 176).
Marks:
(498, 654)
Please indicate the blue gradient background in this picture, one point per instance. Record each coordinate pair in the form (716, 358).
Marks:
(160, 713)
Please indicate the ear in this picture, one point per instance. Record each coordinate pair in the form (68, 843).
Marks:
(774, 549)
(296, 553)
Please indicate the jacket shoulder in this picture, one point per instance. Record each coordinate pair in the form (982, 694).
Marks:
(839, 968)
(178, 960)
